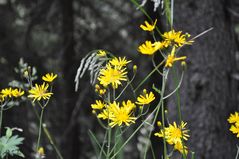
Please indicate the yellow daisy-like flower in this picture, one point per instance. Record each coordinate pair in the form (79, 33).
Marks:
(128, 105)
(98, 105)
(146, 98)
(112, 75)
(174, 135)
(235, 129)
(149, 48)
(107, 113)
(40, 92)
(177, 38)
(49, 77)
(119, 62)
(101, 53)
(234, 118)
(147, 26)
(181, 148)
(7, 92)
(172, 58)
(120, 115)
(17, 92)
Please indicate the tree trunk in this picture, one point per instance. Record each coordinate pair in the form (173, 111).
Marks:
(208, 93)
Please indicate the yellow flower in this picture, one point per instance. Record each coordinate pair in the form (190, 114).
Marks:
(101, 53)
(98, 105)
(177, 38)
(235, 129)
(7, 92)
(40, 92)
(107, 113)
(145, 98)
(182, 149)
(234, 118)
(147, 26)
(40, 153)
(49, 77)
(174, 135)
(120, 115)
(119, 62)
(172, 58)
(149, 48)
(128, 105)
(113, 76)
(17, 92)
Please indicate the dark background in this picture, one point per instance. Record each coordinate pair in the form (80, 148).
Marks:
(54, 35)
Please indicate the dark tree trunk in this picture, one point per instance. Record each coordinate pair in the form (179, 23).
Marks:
(208, 93)
(70, 138)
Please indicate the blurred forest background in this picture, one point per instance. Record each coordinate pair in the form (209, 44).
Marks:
(55, 35)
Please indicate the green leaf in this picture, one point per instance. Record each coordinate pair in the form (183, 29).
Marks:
(9, 145)
(8, 132)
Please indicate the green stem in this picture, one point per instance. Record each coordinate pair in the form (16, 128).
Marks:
(161, 103)
(51, 141)
(150, 74)
(109, 142)
(179, 110)
(132, 135)
(49, 137)
(40, 129)
(1, 115)
(164, 140)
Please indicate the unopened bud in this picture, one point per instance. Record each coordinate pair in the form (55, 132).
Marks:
(159, 123)
(135, 68)
(145, 91)
(183, 64)
(102, 91)
(97, 86)
(25, 74)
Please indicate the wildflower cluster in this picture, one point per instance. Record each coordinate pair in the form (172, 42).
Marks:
(8, 93)
(171, 39)
(114, 113)
(109, 108)
(234, 121)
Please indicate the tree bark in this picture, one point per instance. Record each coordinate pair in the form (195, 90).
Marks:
(208, 93)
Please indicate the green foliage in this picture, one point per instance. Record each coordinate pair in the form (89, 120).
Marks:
(9, 145)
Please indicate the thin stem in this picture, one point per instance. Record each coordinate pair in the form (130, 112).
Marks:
(164, 140)
(1, 116)
(237, 153)
(129, 82)
(51, 141)
(102, 147)
(49, 137)
(161, 102)
(172, 5)
(150, 74)
(154, 64)
(179, 111)
(40, 128)
(138, 128)
(109, 142)
(176, 89)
